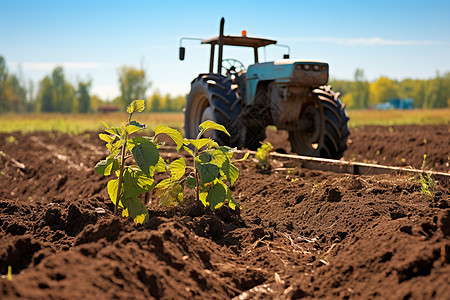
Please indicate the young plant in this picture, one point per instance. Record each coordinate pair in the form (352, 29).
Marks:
(426, 181)
(262, 154)
(131, 180)
(211, 175)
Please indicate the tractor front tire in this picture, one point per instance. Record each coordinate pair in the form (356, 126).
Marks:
(213, 97)
(327, 135)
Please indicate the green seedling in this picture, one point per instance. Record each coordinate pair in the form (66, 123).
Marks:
(9, 276)
(11, 140)
(132, 180)
(262, 154)
(211, 175)
(427, 182)
(314, 188)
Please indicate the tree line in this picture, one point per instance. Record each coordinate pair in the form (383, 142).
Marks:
(56, 94)
(362, 94)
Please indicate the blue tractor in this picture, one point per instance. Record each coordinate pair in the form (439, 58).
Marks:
(289, 94)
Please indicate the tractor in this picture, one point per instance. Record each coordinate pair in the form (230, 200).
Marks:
(289, 94)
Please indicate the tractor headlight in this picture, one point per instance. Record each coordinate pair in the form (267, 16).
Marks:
(306, 67)
(316, 67)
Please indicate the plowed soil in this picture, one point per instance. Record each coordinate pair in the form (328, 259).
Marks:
(301, 233)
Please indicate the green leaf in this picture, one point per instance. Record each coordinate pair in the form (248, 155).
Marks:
(177, 168)
(106, 126)
(137, 124)
(246, 155)
(107, 166)
(145, 153)
(135, 182)
(197, 143)
(212, 144)
(233, 203)
(113, 154)
(219, 157)
(115, 131)
(163, 185)
(114, 147)
(190, 182)
(216, 196)
(205, 157)
(169, 192)
(160, 166)
(208, 172)
(174, 134)
(188, 150)
(132, 129)
(208, 125)
(136, 106)
(233, 174)
(136, 210)
(107, 138)
(112, 191)
(203, 198)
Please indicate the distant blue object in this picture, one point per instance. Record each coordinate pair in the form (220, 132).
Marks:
(396, 103)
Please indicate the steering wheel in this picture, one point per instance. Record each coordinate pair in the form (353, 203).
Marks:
(232, 66)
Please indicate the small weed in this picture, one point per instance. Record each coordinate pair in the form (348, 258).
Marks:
(427, 182)
(9, 276)
(262, 154)
(11, 140)
(314, 188)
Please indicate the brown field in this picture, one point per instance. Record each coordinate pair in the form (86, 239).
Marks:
(301, 233)
(80, 123)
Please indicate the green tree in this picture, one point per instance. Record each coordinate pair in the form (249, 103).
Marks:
(63, 92)
(13, 93)
(178, 103)
(83, 97)
(168, 103)
(360, 89)
(435, 94)
(382, 89)
(133, 84)
(45, 95)
(155, 102)
(446, 85)
(3, 77)
(56, 94)
(95, 103)
(345, 88)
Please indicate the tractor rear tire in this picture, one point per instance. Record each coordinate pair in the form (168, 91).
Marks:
(328, 133)
(213, 97)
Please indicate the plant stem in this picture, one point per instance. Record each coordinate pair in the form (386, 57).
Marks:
(122, 167)
(196, 175)
(197, 179)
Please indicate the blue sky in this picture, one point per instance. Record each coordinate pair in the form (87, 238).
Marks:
(92, 39)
